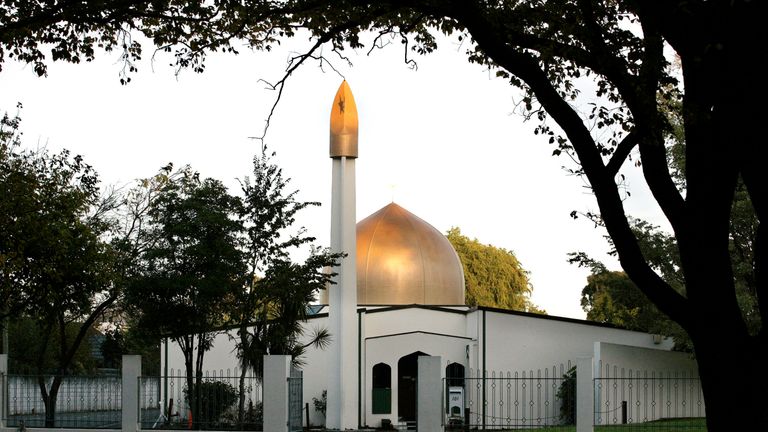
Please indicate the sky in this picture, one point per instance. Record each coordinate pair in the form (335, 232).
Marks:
(445, 141)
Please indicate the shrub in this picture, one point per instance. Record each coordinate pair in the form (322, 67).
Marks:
(321, 403)
(567, 395)
(215, 397)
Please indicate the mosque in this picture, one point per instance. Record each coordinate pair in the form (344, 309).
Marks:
(399, 294)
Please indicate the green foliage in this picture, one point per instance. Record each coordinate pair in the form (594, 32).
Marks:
(611, 297)
(322, 403)
(131, 340)
(56, 269)
(566, 393)
(24, 356)
(213, 399)
(546, 48)
(274, 301)
(184, 281)
(493, 276)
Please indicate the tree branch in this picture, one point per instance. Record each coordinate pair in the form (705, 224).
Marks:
(621, 153)
(526, 67)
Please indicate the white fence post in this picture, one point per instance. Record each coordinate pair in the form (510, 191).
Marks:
(429, 394)
(130, 393)
(277, 370)
(585, 395)
(3, 387)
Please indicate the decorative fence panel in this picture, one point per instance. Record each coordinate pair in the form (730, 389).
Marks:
(512, 400)
(643, 400)
(295, 400)
(223, 401)
(81, 401)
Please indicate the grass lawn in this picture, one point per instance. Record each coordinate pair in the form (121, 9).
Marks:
(666, 425)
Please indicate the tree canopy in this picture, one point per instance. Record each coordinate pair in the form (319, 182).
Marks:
(184, 282)
(547, 48)
(611, 297)
(58, 271)
(493, 276)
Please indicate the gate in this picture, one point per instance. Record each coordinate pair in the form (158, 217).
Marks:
(295, 399)
(543, 398)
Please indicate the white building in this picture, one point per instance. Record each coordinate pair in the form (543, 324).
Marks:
(402, 262)
(409, 292)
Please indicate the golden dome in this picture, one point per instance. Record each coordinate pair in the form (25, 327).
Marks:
(401, 259)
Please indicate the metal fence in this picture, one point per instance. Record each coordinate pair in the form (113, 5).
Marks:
(81, 401)
(512, 400)
(295, 400)
(643, 400)
(218, 403)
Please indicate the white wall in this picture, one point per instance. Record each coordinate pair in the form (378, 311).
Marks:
(221, 359)
(642, 359)
(654, 384)
(516, 343)
(389, 350)
(316, 371)
(412, 319)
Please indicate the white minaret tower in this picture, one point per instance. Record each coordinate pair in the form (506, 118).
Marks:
(341, 411)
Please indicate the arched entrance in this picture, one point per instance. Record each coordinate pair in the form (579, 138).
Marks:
(455, 390)
(407, 374)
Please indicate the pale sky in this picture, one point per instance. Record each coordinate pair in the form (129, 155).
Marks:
(445, 136)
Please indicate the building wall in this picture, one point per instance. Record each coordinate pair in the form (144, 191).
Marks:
(510, 343)
(316, 372)
(515, 342)
(608, 355)
(393, 334)
(650, 384)
(405, 320)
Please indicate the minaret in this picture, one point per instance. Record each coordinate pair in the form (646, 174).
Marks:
(341, 411)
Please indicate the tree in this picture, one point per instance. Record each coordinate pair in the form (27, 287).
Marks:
(611, 297)
(130, 339)
(493, 276)
(548, 47)
(57, 268)
(23, 360)
(273, 302)
(187, 277)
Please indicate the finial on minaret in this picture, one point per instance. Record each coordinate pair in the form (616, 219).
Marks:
(344, 123)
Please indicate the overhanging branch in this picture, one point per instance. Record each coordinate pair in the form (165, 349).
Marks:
(621, 153)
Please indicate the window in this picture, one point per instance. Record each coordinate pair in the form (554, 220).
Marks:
(382, 389)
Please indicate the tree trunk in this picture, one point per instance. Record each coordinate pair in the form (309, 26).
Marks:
(733, 385)
(243, 371)
(187, 344)
(49, 397)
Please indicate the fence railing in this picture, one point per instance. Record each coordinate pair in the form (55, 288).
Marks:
(648, 399)
(295, 400)
(512, 400)
(218, 402)
(81, 401)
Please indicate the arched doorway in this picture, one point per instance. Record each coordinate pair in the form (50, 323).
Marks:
(455, 390)
(407, 375)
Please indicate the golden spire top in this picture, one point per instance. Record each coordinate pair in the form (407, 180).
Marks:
(344, 123)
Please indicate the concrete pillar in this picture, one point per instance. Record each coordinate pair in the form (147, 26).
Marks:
(130, 393)
(585, 395)
(3, 387)
(277, 370)
(429, 395)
